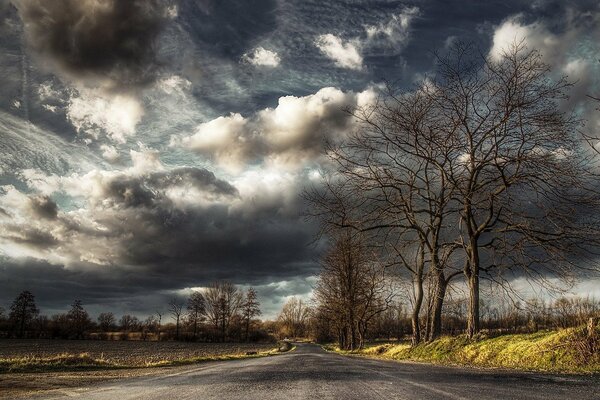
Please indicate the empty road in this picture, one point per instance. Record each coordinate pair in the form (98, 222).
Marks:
(311, 373)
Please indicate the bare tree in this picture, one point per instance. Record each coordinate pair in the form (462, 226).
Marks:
(352, 289)
(106, 321)
(196, 307)
(176, 309)
(518, 172)
(250, 309)
(391, 179)
(128, 323)
(293, 317)
(78, 319)
(223, 301)
(480, 159)
(22, 312)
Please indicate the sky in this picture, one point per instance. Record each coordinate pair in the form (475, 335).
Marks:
(150, 147)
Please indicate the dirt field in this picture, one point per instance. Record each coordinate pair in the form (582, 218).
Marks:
(127, 353)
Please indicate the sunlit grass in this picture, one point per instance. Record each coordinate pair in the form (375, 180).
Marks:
(567, 350)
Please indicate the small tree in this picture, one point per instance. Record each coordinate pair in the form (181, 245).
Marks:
(106, 321)
(196, 309)
(176, 309)
(22, 311)
(78, 319)
(129, 323)
(250, 309)
(149, 325)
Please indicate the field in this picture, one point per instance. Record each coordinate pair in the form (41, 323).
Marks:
(43, 355)
(58, 365)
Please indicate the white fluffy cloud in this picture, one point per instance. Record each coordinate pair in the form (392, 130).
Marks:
(513, 31)
(262, 57)
(344, 54)
(96, 114)
(109, 153)
(289, 135)
(390, 34)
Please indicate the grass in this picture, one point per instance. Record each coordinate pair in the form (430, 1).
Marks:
(85, 362)
(565, 351)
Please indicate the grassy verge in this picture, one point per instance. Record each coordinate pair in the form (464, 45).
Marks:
(84, 362)
(565, 351)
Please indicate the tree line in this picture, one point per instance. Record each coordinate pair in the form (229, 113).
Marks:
(220, 312)
(309, 320)
(478, 173)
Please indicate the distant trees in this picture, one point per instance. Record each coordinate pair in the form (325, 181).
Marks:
(294, 317)
(223, 301)
(22, 312)
(352, 290)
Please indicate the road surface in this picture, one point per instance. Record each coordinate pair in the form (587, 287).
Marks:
(311, 373)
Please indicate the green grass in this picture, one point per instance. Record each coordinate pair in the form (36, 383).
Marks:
(567, 351)
(84, 362)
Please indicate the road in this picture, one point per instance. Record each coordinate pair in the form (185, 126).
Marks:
(311, 373)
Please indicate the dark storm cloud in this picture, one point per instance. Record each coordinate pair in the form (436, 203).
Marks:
(44, 207)
(198, 177)
(146, 190)
(31, 237)
(96, 39)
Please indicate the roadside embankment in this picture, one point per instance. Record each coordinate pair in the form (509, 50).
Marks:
(570, 350)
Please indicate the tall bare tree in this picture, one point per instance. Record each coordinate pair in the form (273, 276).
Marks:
(391, 179)
(176, 309)
(250, 309)
(196, 308)
(519, 172)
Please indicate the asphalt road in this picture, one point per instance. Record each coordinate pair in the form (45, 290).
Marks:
(311, 373)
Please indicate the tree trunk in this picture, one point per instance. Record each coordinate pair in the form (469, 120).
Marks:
(247, 329)
(416, 327)
(472, 273)
(473, 325)
(438, 302)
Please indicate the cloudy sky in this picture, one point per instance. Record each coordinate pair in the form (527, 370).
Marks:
(148, 147)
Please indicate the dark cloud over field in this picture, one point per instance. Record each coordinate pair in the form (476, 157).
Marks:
(150, 147)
